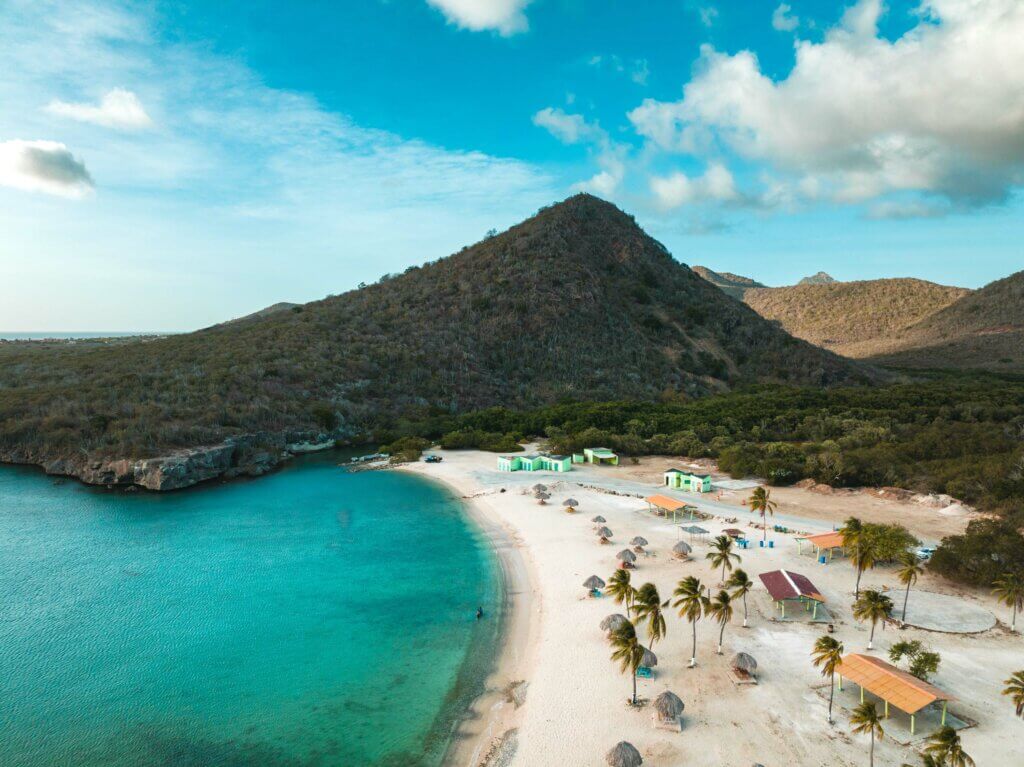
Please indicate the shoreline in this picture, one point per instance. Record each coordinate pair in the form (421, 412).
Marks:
(481, 729)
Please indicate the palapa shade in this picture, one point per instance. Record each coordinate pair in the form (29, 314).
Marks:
(613, 622)
(570, 502)
(650, 660)
(624, 755)
(638, 541)
(593, 582)
(541, 495)
(682, 549)
(599, 520)
(604, 532)
(626, 556)
(741, 661)
(668, 705)
(539, 488)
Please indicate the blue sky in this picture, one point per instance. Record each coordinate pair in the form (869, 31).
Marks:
(164, 166)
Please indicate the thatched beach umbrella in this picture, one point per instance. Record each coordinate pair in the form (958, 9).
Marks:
(624, 755)
(593, 582)
(599, 520)
(542, 497)
(638, 541)
(650, 660)
(741, 661)
(613, 622)
(626, 556)
(604, 532)
(539, 488)
(571, 502)
(681, 550)
(668, 705)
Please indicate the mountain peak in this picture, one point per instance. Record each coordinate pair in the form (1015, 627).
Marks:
(821, 278)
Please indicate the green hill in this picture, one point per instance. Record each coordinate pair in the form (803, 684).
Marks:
(576, 302)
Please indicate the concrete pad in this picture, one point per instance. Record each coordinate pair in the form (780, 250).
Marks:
(939, 612)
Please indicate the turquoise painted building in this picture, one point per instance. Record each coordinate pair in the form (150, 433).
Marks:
(600, 455)
(684, 480)
(534, 462)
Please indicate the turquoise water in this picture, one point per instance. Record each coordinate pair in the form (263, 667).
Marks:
(312, 617)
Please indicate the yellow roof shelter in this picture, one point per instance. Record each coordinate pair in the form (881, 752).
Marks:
(893, 685)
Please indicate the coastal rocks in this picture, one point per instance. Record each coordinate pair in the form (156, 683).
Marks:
(183, 468)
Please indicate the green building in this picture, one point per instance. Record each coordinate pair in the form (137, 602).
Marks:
(534, 462)
(684, 480)
(600, 455)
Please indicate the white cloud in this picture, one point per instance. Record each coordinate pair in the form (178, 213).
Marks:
(503, 16)
(43, 166)
(117, 109)
(708, 14)
(939, 111)
(783, 20)
(716, 185)
(567, 128)
(641, 71)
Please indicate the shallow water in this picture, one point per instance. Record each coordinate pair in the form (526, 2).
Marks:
(312, 617)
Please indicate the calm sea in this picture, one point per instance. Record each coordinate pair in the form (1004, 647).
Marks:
(65, 335)
(312, 617)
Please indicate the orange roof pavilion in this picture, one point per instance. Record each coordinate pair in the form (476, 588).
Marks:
(667, 504)
(905, 691)
(822, 542)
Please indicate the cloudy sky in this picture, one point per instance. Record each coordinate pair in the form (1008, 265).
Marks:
(167, 165)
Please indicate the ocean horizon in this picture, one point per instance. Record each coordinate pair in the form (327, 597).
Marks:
(315, 616)
(67, 335)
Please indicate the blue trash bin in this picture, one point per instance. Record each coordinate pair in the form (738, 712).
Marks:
(821, 559)
(771, 544)
(761, 544)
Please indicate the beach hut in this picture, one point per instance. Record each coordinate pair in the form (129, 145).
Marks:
(624, 755)
(662, 505)
(893, 685)
(613, 622)
(744, 667)
(550, 462)
(694, 531)
(647, 663)
(682, 550)
(600, 455)
(593, 585)
(570, 504)
(508, 463)
(667, 709)
(685, 480)
(787, 586)
(823, 544)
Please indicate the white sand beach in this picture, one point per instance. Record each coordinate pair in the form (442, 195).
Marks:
(574, 702)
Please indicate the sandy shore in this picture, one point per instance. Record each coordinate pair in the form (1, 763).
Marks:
(574, 704)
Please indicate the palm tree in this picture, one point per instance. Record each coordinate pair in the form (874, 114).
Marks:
(1015, 689)
(853, 536)
(761, 501)
(944, 745)
(692, 604)
(909, 571)
(873, 606)
(720, 608)
(863, 558)
(721, 554)
(627, 650)
(1009, 590)
(865, 719)
(621, 589)
(828, 655)
(647, 607)
(741, 586)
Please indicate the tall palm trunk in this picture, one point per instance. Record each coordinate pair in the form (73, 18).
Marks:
(634, 687)
(831, 695)
(720, 635)
(764, 527)
(871, 636)
(693, 654)
(905, 598)
(744, 609)
(1013, 618)
(856, 591)
(871, 757)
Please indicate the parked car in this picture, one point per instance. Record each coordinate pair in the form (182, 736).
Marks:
(925, 553)
(433, 459)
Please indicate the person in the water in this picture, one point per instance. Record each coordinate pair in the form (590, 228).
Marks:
(479, 613)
